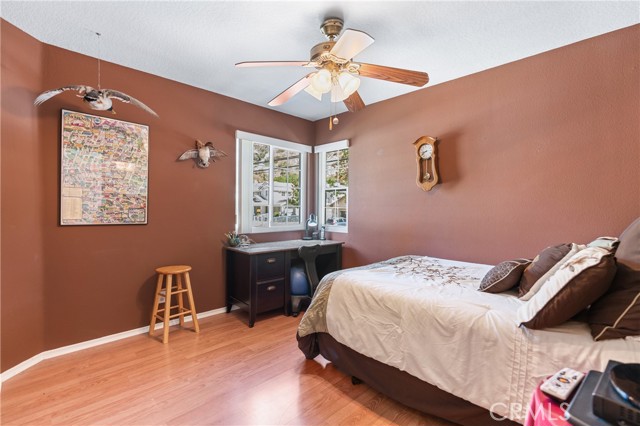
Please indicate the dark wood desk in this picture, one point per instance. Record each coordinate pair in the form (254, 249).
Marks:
(258, 276)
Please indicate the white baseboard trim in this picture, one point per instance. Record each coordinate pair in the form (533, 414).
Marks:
(24, 365)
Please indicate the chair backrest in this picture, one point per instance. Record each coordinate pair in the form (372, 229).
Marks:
(308, 254)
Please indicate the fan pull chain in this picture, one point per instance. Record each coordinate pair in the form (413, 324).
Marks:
(333, 118)
(99, 55)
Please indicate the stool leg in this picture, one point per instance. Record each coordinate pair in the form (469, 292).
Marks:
(167, 307)
(180, 298)
(192, 305)
(152, 324)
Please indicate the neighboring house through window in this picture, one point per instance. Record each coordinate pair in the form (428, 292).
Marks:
(271, 190)
(333, 185)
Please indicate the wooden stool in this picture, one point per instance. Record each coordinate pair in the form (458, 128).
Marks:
(169, 290)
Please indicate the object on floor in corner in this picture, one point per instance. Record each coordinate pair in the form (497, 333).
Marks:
(202, 153)
(300, 288)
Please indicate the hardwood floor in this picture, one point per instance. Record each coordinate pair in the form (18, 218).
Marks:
(228, 374)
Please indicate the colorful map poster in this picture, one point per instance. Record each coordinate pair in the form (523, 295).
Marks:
(105, 170)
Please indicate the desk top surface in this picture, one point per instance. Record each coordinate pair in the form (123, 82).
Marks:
(282, 246)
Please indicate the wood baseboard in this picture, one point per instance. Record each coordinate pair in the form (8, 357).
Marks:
(24, 365)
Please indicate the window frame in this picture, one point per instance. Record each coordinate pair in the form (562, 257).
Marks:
(244, 182)
(321, 164)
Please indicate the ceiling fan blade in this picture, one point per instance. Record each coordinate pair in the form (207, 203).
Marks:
(396, 75)
(350, 43)
(354, 102)
(291, 91)
(276, 64)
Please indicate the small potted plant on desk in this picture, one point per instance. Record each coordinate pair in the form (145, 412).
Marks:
(233, 239)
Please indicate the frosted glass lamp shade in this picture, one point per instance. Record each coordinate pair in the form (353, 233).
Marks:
(348, 83)
(321, 81)
(337, 94)
(313, 92)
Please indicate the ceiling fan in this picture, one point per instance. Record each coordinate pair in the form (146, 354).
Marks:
(336, 72)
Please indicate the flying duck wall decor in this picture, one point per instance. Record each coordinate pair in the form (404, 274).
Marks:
(98, 99)
(202, 153)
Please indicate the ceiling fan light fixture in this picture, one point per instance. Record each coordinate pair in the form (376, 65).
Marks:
(337, 94)
(313, 92)
(348, 82)
(321, 81)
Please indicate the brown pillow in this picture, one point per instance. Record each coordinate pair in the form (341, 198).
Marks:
(617, 313)
(540, 265)
(575, 248)
(578, 283)
(504, 276)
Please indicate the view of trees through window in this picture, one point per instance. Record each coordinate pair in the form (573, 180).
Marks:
(276, 186)
(336, 187)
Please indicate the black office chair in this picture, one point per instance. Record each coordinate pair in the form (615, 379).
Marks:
(303, 286)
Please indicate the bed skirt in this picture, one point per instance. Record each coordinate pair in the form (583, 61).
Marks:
(397, 384)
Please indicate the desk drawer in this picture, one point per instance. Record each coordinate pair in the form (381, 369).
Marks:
(270, 265)
(270, 296)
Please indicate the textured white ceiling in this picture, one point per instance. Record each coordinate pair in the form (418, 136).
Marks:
(198, 43)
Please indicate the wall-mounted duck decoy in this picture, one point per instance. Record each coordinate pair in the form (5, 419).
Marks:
(99, 99)
(203, 153)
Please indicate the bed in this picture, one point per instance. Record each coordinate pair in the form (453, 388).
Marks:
(417, 329)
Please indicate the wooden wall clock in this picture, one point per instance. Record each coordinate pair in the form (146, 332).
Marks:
(427, 162)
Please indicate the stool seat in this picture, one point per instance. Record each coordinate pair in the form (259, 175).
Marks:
(174, 269)
(166, 289)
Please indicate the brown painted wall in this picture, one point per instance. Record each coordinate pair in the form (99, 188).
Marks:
(540, 151)
(22, 274)
(72, 284)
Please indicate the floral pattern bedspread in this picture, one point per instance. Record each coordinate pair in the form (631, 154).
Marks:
(432, 271)
(426, 316)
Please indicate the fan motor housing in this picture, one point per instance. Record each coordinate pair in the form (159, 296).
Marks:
(331, 27)
(321, 49)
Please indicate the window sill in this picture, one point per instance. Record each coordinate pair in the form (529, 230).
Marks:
(275, 229)
(337, 229)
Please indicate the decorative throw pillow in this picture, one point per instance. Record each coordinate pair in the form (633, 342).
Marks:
(543, 279)
(576, 284)
(504, 276)
(617, 313)
(541, 264)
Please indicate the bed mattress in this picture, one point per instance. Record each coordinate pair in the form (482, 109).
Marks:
(425, 316)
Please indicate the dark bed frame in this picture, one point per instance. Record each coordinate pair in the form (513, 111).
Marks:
(397, 384)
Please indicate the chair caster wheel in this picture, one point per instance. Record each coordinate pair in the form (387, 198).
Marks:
(355, 380)
(294, 314)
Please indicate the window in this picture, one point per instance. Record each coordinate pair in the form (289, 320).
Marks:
(333, 185)
(271, 189)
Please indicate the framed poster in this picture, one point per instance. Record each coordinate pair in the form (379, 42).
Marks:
(104, 171)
